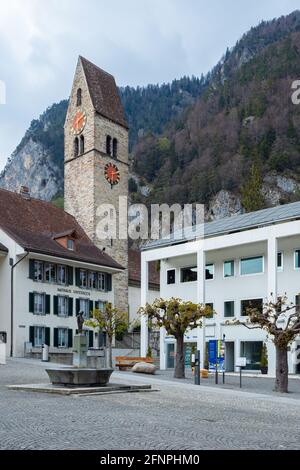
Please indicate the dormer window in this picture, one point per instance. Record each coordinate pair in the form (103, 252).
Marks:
(79, 96)
(70, 244)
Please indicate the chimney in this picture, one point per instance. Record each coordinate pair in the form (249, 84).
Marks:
(24, 192)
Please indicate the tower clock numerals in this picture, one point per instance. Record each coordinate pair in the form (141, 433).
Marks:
(79, 122)
(112, 174)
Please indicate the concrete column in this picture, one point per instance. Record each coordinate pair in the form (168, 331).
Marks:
(272, 289)
(201, 300)
(144, 291)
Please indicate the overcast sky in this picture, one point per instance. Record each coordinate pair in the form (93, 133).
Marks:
(138, 41)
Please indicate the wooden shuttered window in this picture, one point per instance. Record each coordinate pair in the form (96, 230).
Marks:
(47, 304)
(55, 337)
(31, 302)
(91, 308)
(77, 277)
(47, 336)
(77, 306)
(70, 279)
(70, 338)
(91, 339)
(108, 282)
(31, 269)
(31, 335)
(70, 304)
(55, 305)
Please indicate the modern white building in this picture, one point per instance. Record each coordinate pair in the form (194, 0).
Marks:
(238, 260)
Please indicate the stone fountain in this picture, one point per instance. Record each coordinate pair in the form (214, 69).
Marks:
(80, 375)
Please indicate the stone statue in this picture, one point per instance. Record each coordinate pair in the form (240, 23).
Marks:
(80, 322)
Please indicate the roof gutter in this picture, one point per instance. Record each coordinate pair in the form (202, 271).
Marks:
(13, 266)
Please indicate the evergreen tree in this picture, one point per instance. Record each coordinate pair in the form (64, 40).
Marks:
(252, 197)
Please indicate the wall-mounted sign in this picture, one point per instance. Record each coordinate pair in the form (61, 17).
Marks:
(241, 362)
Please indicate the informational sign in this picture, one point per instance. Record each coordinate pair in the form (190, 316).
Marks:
(241, 362)
(216, 355)
(187, 354)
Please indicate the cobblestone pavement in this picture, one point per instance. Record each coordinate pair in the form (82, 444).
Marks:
(180, 416)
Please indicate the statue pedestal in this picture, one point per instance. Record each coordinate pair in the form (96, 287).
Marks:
(80, 351)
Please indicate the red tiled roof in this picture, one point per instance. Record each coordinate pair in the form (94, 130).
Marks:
(104, 93)
(134, 269)
(32, 223)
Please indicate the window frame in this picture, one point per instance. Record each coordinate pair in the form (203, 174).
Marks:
(229, 261)
(59, 330)
(41, 263)
(66, 306)
(247, 299)
(167, 272)
(213, 275)
(36, 328)
(213, 310)
(279, 269)
(234, 308)
(295, 267)
(252, 274)
(87, 302)
(43, 297)
(59, 266)
(190, 268)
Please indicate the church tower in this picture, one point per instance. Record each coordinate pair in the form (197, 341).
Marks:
(96, 160)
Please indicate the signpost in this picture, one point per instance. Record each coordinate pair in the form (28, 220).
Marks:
(216, 357)
(241, 363)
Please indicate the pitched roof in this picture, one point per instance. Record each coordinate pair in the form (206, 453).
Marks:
(235, 223)
(134, 269)
(32, 223)
(3, 248)
(104, 93)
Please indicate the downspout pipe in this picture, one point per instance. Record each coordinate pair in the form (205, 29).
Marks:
(13, 266)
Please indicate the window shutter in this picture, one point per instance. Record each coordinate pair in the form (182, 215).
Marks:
(77, 306)
(91, 309)
(31, 302)
(108, 282)
(70, 275)
(47, 304)
(31, 335)
(47, 336)
(70, 338)
(31, 269)
(77, 277)
(55, 305)
(91, 339)
(55, 338)
(70, 311)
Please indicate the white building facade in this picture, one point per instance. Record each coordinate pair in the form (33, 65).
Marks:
(240, 260)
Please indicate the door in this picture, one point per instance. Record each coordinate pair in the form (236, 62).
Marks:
(170, 355)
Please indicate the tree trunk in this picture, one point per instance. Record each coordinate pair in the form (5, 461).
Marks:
(282, 370)
(179, 363)
(109, 362)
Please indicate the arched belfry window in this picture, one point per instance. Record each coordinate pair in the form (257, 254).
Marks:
(81, 144)
(79, 93)
(108, 145)
(76, 147)
(115, 148)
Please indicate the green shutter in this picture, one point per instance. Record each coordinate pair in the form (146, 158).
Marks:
(91, 309)
(47, 336)
(70, 275)
(55, 337)
(31, 335)
(70, 338)
(47, 304)
(55, 305)
(91, 339)
(70, 311)
(108, 282)
(77, 277)
(77, 306)
(31, 302)
(31, 269)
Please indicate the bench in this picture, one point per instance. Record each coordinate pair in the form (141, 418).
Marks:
(127, 362)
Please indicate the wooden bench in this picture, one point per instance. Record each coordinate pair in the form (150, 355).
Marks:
(127, 362)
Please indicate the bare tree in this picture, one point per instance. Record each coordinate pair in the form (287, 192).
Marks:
(281, 320)
(176, 317)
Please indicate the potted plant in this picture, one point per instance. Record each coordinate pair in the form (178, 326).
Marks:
(264, 359)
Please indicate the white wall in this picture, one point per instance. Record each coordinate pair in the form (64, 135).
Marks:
(134, 300)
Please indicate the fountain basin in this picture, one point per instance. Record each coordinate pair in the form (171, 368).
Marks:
(79, 376)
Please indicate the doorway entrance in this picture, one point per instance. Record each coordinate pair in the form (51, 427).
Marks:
(170, 355)
(229, 356)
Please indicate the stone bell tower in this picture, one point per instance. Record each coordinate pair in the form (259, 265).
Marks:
(96, 160)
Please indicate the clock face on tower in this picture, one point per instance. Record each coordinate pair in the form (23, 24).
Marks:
(79, 122)
(112, 174)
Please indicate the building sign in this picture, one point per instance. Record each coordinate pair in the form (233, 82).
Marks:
(216, 355)
(64, 290)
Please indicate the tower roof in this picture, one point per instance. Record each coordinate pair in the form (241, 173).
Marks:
(104, 93)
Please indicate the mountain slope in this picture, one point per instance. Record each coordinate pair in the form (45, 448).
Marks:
(38, 160)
